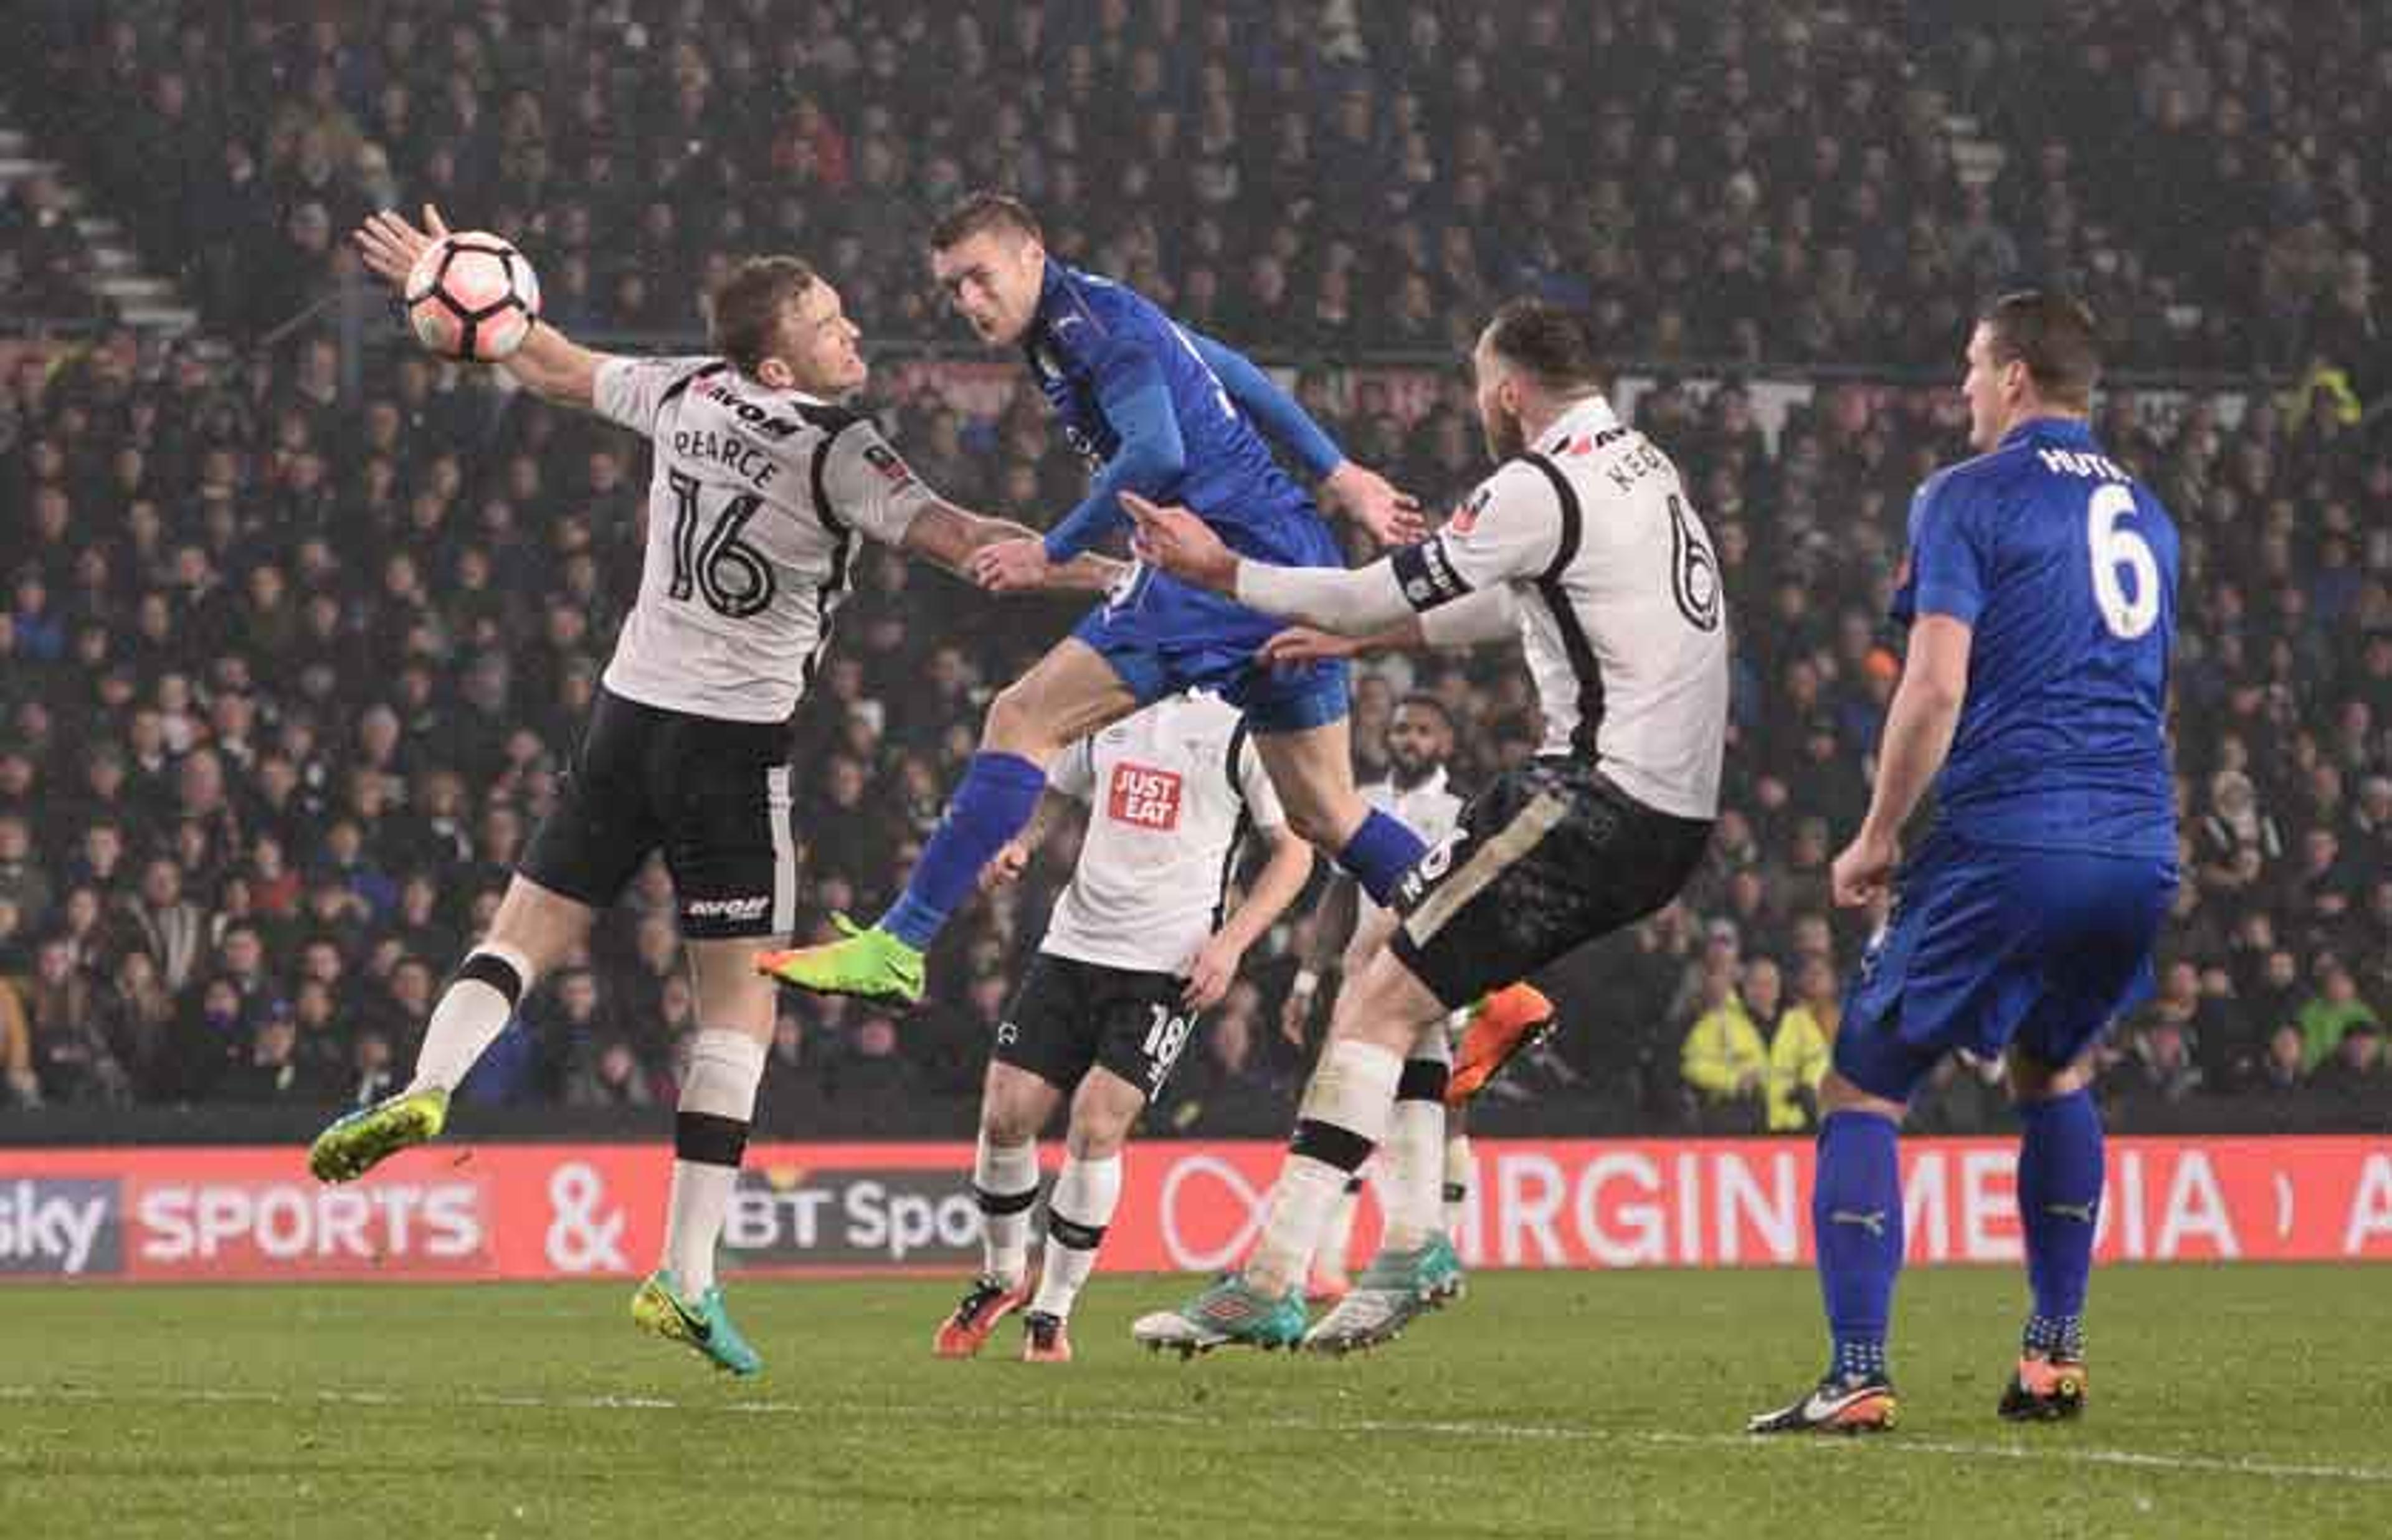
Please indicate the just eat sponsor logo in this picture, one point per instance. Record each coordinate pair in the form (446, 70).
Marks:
(1144, 798)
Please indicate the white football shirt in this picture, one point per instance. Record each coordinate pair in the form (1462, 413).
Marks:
(1171, 791)
(1621, 617)
(753, 512)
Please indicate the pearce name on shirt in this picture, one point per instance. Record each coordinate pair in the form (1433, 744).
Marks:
(741, 458)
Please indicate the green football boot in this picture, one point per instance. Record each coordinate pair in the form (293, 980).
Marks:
(702, 1325)
(1230, 1313)
(869, 963)
(1396, 1290)
(360, 1141)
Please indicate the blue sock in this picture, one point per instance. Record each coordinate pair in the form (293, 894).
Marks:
(2059, 1200)
(1380, 853)
(992, 804)
(1856, 1221)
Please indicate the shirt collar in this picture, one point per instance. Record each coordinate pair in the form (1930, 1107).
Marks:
(1052, 285)
(2073, 431)
(1591, 415)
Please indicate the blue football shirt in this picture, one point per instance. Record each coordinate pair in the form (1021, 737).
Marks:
(2065, 568)
(1118, 372)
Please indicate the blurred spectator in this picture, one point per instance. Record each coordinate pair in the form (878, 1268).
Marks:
(2355, 1070)
(67, 1033)
(271, 1070)
(1724, 1056)
(2332, 1012)
(612, 1077)
(2157, 1061)
(1803, 1046)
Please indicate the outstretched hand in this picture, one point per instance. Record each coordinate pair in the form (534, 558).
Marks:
(1004, 867)
(1393, 518)
(390, 245)
(1181, 544)
(1307, 644)
(1011, 566)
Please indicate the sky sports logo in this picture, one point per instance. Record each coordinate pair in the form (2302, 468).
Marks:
(60, 1226)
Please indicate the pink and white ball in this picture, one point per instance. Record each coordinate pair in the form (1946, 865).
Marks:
(472, 295)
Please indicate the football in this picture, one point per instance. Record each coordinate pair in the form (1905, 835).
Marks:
(472, 295)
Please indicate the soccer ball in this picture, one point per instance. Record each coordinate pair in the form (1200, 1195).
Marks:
(472, 295)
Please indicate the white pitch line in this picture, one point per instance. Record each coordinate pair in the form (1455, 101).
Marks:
(1892, 1444)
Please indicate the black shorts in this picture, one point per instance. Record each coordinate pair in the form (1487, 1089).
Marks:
(1549, 856)
(1069, 1015)
(714, 794)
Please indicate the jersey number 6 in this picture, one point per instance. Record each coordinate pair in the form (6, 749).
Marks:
(2114, 547)
(735, 579)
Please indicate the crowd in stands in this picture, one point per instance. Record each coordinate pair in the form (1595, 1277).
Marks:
(1756, 180)
(288, 668)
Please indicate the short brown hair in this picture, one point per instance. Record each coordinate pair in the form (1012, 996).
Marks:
(2054, 336)
(984, 211)
(745, 308)
(1548, 344)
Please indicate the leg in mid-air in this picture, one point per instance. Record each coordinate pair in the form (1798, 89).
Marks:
(1311, 768)
(1310, 764)
(2059, 1173)
(533, 930)
(1069, 694)
(1345, 1114)
(1857, 1225)
(1415, 1269)
(1079, 1209)
(1015, 1104)
(681, 1300)
(1455, 1192)
(1548, 858)
(1333, 1265)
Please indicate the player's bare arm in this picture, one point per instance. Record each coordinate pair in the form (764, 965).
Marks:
(1214, 966)
(1491, 615)
(1919, 728)
(1009, 863)
(549, 363)
(1392, 516)
(956, 538)
(1365, 602)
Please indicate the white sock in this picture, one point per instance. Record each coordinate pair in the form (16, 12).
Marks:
(471, 1014)
(1077, 1211)
(1005, 1177)
(718, 1102)
(1336, 1253)
(1344, 1117)
(1414, 1181)
(1457, 1186)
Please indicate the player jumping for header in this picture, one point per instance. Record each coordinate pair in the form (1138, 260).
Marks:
(1166, 412)
(2040, 594)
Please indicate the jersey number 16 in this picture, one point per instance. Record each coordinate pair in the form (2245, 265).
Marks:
(734, 579)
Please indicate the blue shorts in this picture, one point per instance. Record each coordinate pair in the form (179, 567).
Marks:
(1162, 636)
(1993, 945)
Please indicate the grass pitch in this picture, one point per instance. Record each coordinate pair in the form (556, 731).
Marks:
(2242, 1402)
